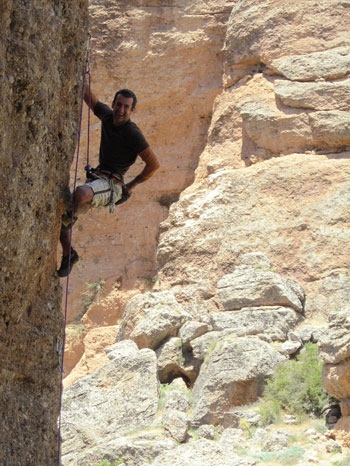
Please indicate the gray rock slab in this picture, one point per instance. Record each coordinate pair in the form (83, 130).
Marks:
(150, 318)
(273, 322)
(324, 95)
(248, 287)
(231, 375)
(119, 397)
(328, 64)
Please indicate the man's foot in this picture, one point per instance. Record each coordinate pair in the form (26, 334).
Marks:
(68, 221)
(66, 264)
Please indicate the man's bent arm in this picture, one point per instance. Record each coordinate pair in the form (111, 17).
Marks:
(150, 168)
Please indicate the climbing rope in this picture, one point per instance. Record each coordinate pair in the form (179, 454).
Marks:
(87, 73)
(86, 80)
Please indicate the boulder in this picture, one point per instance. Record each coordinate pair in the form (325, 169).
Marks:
(177, 400)
(272, 130)
(320, 95)
(334, 350)
(330, 129)
(175, 420)
(276, 441)
(306, 333)
(117, 398)
(172, 362)
(326, 64)
(231, 375)
(272, 322)
(191, 330)
(201, 345)
(176, 424)
(151, 318)
(289, 347)
(248, 287)
(206, 431)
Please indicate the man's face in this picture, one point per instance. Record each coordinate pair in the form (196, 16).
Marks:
(121, 109)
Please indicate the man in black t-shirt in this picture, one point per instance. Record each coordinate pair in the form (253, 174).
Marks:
(121, 142)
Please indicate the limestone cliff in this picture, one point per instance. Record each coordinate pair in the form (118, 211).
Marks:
(170, 54)
(245, 104)
(41, 65)
(258, 103)
(253, 138)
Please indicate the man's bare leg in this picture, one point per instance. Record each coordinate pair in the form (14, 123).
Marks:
(82, 199)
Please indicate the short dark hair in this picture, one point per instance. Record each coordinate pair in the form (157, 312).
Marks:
(126, 93)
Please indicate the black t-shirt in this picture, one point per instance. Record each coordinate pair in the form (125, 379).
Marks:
(119, 145)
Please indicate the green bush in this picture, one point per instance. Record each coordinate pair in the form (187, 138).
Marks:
(297, 384)
(270, 412)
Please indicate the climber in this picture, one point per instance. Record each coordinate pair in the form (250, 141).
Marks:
(121, 143)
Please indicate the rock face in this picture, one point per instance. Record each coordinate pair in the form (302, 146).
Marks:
(292, 207)
(211, 364)
(143, 45)
(272, 169)
(41, 64)
(252, 133)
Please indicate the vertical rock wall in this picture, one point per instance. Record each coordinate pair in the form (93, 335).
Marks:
(41, 64)
(169, 53)
(281, 113)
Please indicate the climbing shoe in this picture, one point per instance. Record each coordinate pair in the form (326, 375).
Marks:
(67, 263)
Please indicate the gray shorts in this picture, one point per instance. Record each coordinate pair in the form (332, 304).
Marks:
(105, 192)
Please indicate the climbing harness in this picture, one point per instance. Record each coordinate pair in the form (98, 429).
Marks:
(60, 342)
(114, 180)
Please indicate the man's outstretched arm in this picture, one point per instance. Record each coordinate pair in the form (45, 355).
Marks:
(90, 98)
(150, 168)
